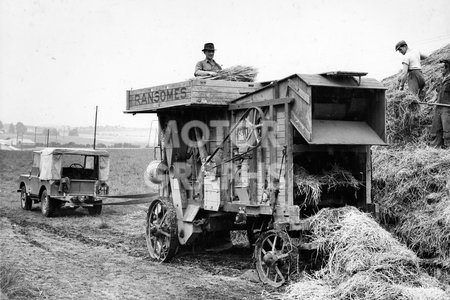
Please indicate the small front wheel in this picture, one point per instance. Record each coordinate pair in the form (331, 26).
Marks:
(272, 255)
(162, 231)
(25, 200)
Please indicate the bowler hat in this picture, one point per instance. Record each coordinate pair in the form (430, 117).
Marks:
(209, 47)
(400, 44)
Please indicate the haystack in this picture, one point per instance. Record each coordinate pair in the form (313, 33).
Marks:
(362, 261)
(411, 187)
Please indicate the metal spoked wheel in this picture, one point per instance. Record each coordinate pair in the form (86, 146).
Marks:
(162, 233)
(250, 128)
(272, 254)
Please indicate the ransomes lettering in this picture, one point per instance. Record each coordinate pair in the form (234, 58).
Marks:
(160, 96)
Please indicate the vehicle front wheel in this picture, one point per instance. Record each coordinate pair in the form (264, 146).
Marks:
(25, 200)
(96, 209)
(48, 205)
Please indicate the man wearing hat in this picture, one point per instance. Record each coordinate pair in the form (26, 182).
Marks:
(208, 66)
(412, 70)
(440, 128)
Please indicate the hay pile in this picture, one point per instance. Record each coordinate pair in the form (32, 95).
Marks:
(363, 261)
(236, 73)
(310, 186)
(407, 122)
(412, 187)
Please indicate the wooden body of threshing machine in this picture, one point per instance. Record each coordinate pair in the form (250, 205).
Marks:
(229, 151)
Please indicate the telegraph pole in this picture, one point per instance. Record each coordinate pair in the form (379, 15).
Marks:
(95, 126)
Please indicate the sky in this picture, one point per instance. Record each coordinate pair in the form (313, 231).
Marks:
(61, 58)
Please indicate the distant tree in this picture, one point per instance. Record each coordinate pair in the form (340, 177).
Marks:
(1, 125)
(53, 131)
(20, 128)
(11, 128)
(73, 132)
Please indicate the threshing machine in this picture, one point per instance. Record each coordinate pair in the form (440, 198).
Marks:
(229, 151)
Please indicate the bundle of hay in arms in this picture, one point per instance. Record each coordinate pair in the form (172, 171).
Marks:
(236, 73)
(310, 186)
(362, 261)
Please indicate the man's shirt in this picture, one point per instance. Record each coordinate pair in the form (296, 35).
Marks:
(412, 59)
(207, 65)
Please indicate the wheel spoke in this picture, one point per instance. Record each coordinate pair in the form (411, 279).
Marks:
(163, 219)
(274, 242)
(164, 233)
(279, 273)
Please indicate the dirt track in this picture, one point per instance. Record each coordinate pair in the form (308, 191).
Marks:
(76, 256)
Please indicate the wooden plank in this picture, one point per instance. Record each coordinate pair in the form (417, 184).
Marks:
(296, 89)
(225, 83)
(289, 170)
(271, 102)
(344, 132)
(327, 148)
(368, 157)
(253, 179)
(127, 106)
(213, 92)
(300, 127)
(343, 82)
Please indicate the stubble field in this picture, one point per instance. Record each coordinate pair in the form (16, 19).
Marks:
(77, 256)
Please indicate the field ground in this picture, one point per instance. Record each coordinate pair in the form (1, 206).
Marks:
(76, 256)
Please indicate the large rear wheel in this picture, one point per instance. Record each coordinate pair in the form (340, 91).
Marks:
(25, 200)
(48, 205)
(273, 251)
(162, 231)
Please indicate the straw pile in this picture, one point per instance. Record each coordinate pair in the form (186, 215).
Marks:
(412, 187)
(237, 73)
(363, 261)
(408, 122)
(310, 186)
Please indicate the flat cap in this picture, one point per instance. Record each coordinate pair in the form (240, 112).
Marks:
(400, 44)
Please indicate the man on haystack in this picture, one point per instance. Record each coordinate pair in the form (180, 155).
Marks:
(208, 66)
(412, 70)
(440, 128)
